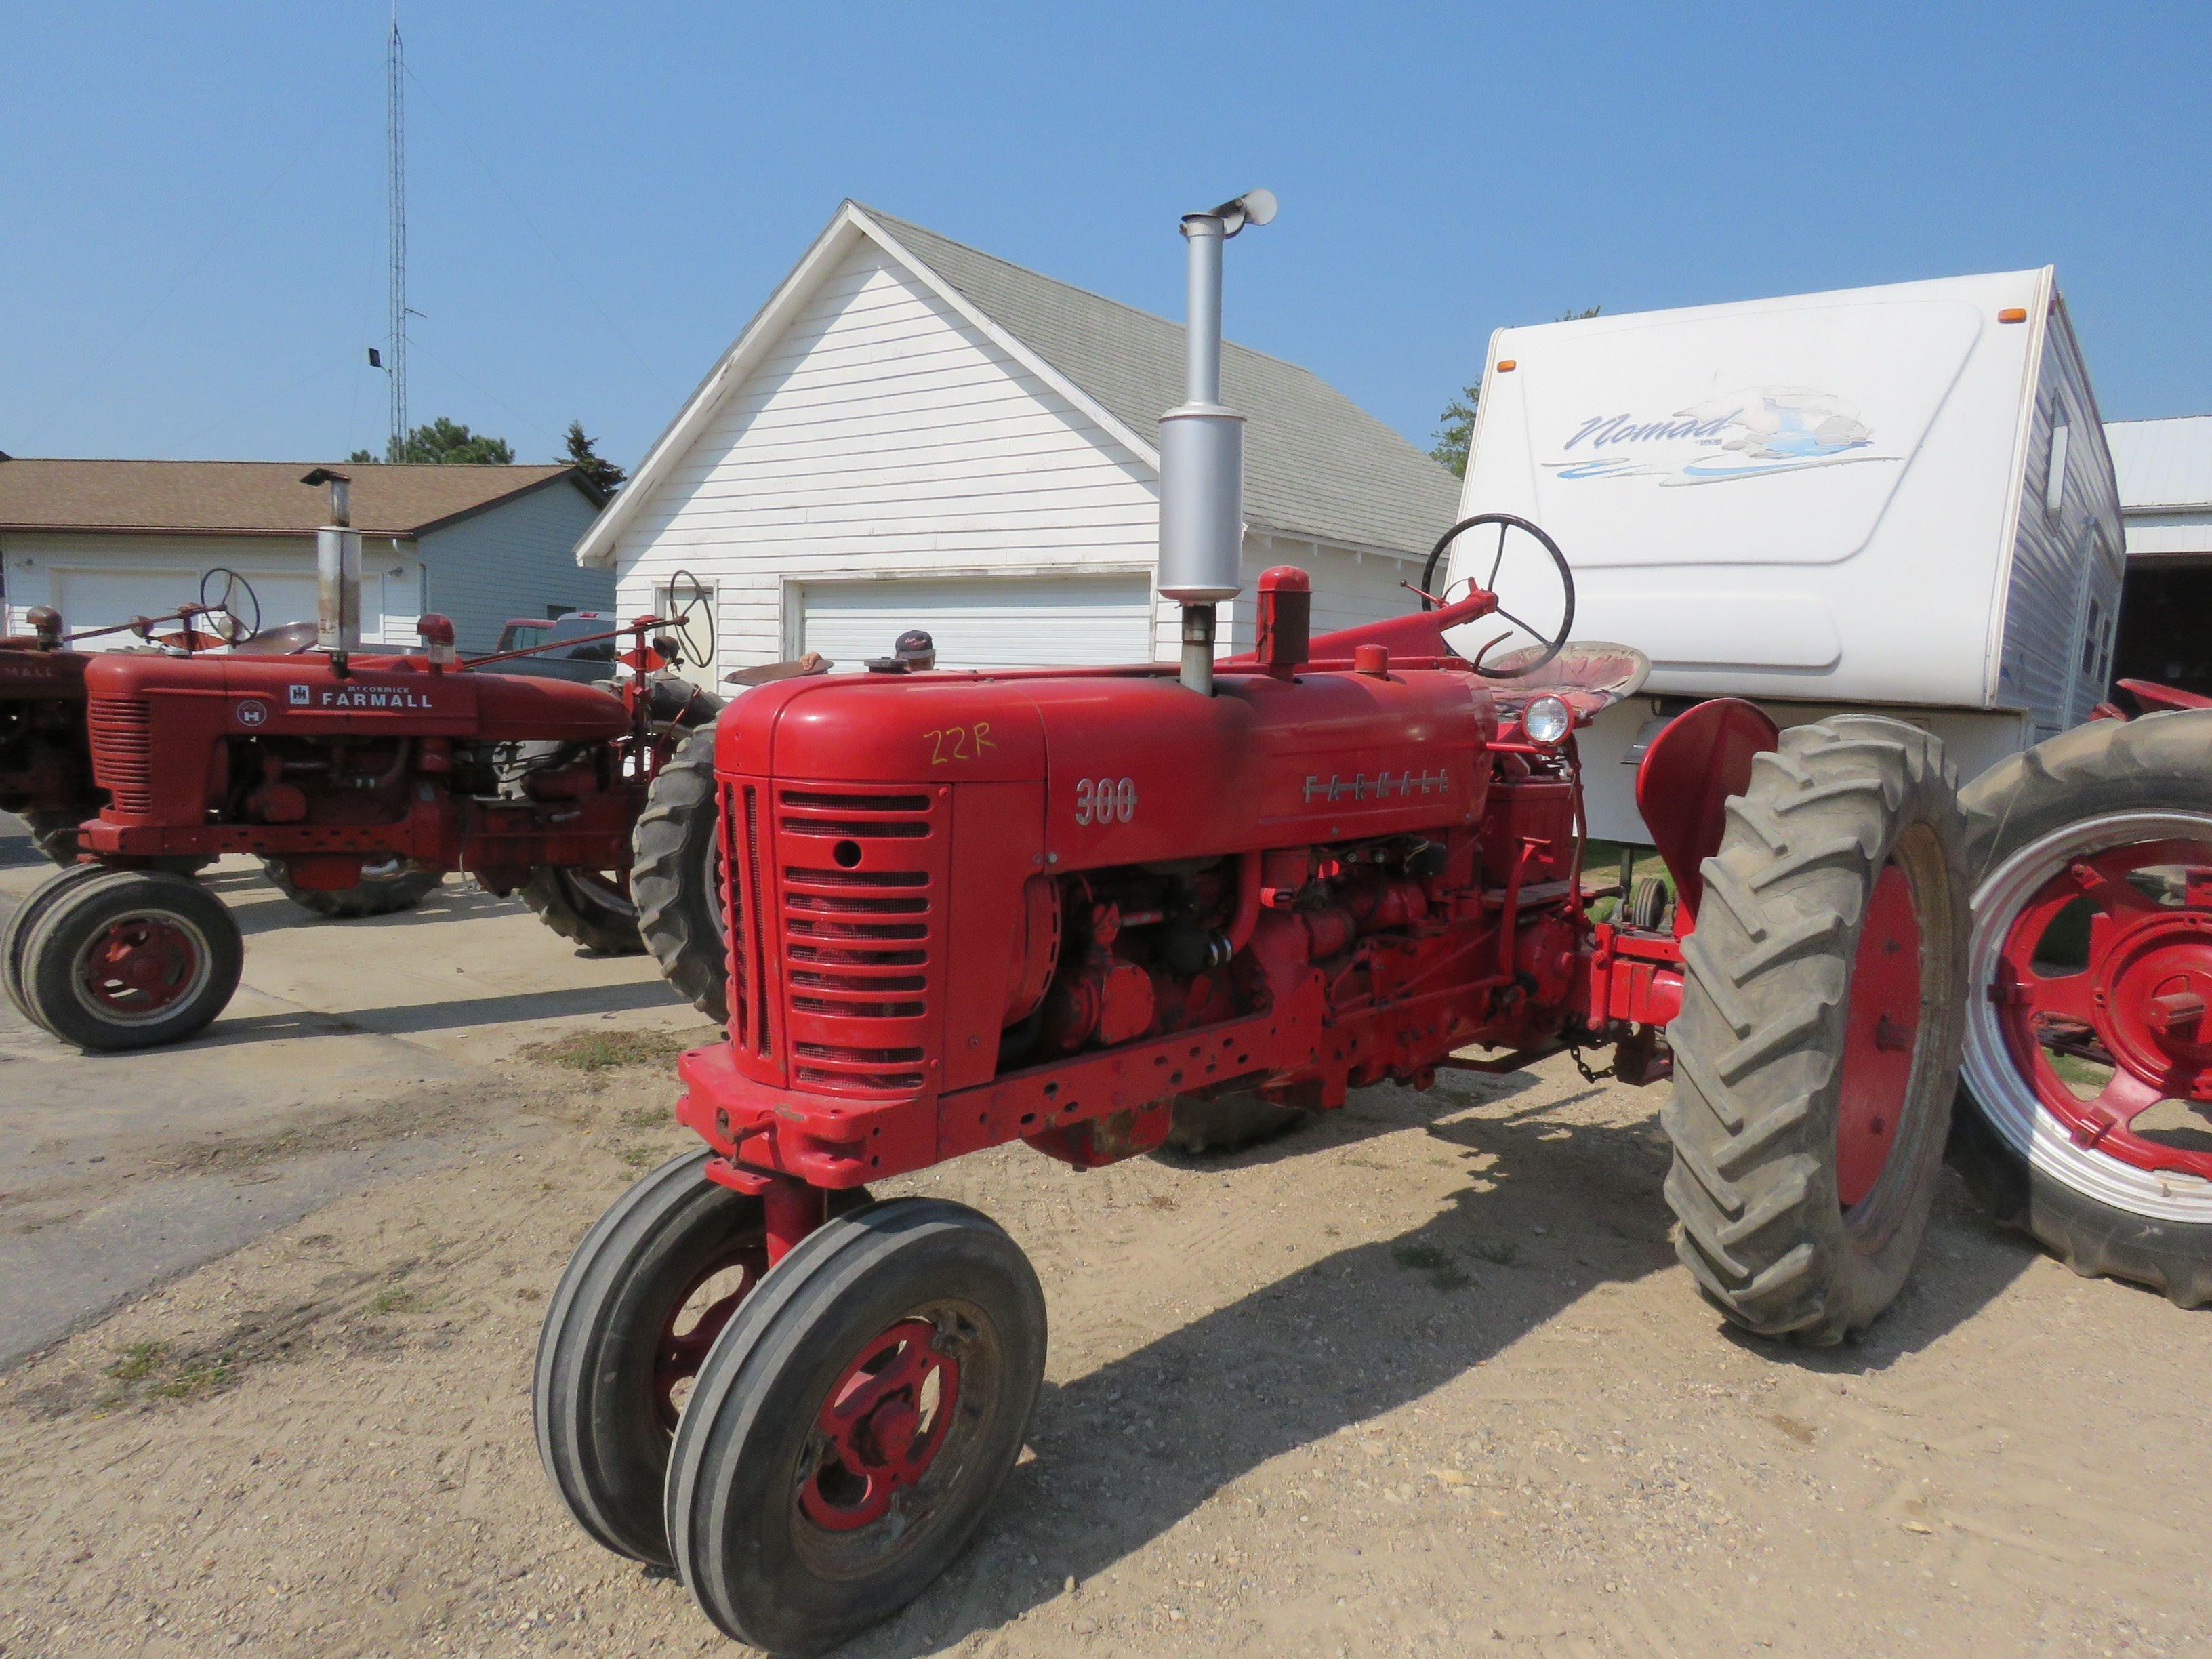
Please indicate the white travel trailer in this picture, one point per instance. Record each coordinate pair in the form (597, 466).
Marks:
(1894, 496)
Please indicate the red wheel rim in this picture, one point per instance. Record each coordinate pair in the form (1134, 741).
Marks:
(690, 1328)
(1881, 1028)
(139, 965)
(2141, 1003)
(880, 1427)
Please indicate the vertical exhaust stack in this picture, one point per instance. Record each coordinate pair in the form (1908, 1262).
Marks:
(337, 572)
(1202, 449)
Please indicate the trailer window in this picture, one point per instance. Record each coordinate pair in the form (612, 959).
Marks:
(2054, 471)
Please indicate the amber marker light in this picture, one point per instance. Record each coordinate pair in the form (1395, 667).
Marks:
(1507, 365)
(2013, 314)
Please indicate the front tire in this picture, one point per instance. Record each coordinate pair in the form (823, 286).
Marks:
(854, 1422)
(397, 885)
(25, 916)
(2085, 940)
(640, 1304)
(131, 959)
(1817, 1049)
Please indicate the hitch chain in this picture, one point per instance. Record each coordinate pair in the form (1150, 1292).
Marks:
(1583, 1067)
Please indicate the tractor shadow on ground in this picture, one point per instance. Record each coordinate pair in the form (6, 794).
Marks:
(1126, 1452)
(450, 901)
(408, 1019)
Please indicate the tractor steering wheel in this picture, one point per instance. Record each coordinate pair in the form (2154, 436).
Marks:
(694, 600)
(234, 587)
(1506, 523)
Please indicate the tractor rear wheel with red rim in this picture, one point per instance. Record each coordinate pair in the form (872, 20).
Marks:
(131, 959)
(2088, 1112)
(853, 1424)
(643, 1298)
(1817, 1050)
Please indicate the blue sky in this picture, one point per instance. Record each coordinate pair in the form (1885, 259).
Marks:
(191, 207)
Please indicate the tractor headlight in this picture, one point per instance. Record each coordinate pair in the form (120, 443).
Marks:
(1547, 720)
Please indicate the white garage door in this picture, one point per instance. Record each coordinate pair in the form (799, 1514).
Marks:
(96, 598)
(1013, 622)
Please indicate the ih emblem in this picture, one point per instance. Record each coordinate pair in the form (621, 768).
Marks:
(1381, 786)
(252, 712)
(296, 696)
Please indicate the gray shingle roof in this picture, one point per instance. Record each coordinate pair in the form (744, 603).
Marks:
(1316, 464)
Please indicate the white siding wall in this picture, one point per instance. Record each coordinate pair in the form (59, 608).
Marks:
(885, 435)
(514, 560)
(2060, 560)
(151, 573)
(1349, 587)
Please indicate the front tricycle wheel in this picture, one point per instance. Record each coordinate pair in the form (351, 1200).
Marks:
(851, 1426)
(644, 1297)
(1817, 1049)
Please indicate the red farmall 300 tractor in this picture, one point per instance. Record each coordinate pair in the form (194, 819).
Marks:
(1068, 908)
(332, 764)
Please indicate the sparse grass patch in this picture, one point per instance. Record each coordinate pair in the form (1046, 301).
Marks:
(638, 1156)
(1443, 1272)
(647, 1117)
(398, 1298)
(1498, 1252)
(602, 1051)
(153, 1368)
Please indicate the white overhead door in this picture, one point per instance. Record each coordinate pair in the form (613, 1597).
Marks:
(1010, 622)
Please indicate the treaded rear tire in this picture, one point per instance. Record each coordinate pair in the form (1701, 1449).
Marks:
(1759, 1044)
(674, 870)
(372, 895)
(2160, 762)
(578, 909)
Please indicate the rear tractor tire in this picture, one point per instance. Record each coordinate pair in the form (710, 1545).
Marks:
(130, 959)
(2085, 1117)
(383, 889)
(676, 876)
(1817, 1051)
(589, 906)
(1229, 1123)
(852, 1424)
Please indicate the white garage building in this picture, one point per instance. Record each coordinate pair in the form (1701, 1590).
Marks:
(914, 434)
(103, 541)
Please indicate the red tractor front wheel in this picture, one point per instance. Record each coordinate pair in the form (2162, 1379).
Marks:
(1817, 1050)
(853, 1423)
(2088, 1112)
(129, 959)
(644, 1297)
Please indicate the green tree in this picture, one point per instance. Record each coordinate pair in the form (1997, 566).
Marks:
(443, 443)
(598, 472)
(1457, 430)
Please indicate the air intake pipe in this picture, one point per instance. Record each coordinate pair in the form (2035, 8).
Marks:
(1202, 449)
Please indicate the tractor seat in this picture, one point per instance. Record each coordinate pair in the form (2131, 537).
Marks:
(1587, 675)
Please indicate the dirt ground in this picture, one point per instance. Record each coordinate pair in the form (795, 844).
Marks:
(1422, 1380)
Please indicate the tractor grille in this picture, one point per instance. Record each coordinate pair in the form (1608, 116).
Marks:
(122, 751)
(836, 933)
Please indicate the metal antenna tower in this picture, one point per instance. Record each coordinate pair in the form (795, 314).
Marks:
(396, 160)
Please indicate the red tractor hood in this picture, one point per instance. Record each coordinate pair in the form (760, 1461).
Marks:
(400, 696)
(1327, 756)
